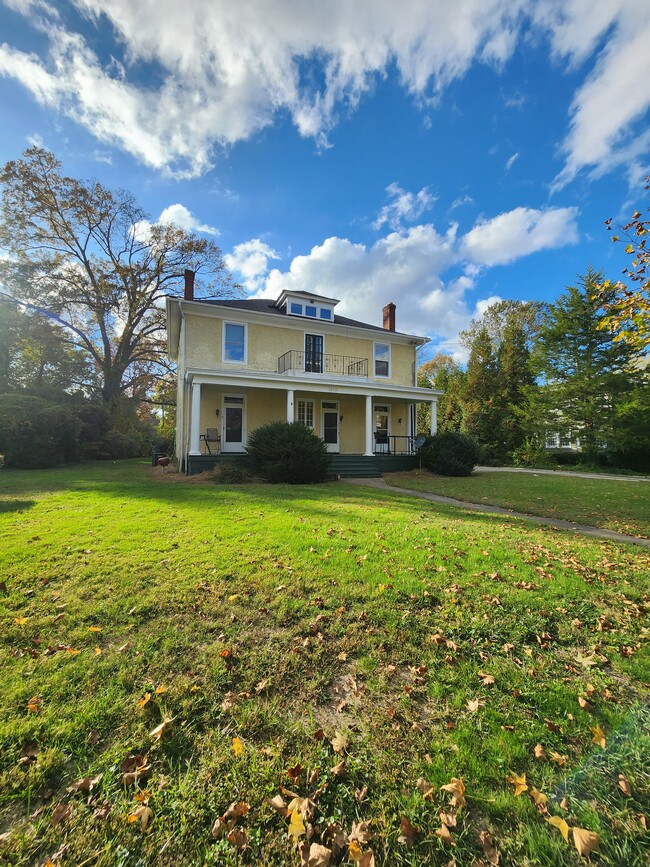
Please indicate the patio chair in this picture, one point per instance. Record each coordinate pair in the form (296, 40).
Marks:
(211, 436)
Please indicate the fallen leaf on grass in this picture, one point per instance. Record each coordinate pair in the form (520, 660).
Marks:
(144, 701)
(60, 813)
(279, 804)
(486, 679)
(296, 826)
(584, 704)
(598, 736)
(20, 621)
(360, 832)
(143, 813)
(624, 785)
(518, 781)
(161, 729)
(134, 768)
(354, 852)
(314, 855)
(473, 704)
(294, 772)
(424, 788)
(539, 752)
(559, 823)
(408, 832)
(34, 704)
(236, 810)
(98, 651)
(585, 841)
(339, 769)
(238, 837)
(340, 742)
(489, 849)
(85, 784)
(457, 789)
(237, 746)
(161, 690)
(539, 799)
(559, 759)
(94, 629)
(445, 835)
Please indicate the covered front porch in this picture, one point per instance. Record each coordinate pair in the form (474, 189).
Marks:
(365, 429)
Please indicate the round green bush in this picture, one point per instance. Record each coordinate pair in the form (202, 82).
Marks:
(287, 453)
(449, 454)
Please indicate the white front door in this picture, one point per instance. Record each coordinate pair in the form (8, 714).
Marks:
(233, 428)
(330, 424)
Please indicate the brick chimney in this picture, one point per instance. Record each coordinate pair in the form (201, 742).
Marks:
(189, 285)
(389, 317)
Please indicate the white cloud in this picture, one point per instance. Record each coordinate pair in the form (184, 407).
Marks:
(225, 71)
(251, 260)
(180, 216)
(35, 140)
(511, 161)
(404, 207)
(518, 233)
(411, 268)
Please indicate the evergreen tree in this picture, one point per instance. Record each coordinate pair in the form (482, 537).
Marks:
(516, 379)
(587, 375)
(481, 403)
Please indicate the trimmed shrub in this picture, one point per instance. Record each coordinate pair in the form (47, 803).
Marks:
(287, 453)
(449, 454)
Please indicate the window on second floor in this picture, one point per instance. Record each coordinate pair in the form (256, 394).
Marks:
(234, 343)
(382, 359)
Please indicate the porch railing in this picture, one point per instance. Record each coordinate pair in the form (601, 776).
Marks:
(316, 362)
(394, 445)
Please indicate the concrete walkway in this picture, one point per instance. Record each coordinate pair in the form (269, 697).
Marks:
(562, 473)
(597, 532)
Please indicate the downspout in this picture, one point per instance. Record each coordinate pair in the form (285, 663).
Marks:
(181, 424)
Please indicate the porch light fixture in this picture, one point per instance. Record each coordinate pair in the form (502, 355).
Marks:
(399, 421)
(218, 413)
(340, 418)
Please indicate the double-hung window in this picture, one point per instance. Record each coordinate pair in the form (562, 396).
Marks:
(234, 343)
(382, 359)
(306, 413)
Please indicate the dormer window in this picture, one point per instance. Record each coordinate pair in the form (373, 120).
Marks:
(309, 306)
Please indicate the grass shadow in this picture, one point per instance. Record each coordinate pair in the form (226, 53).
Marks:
(15, 505)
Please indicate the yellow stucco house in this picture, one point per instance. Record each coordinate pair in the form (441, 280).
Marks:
(244, 363)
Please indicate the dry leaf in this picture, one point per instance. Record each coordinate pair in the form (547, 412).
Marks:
(448, 819)
(98, 651)
(237, 746)
(144, 701)
(559, 759)
(354, 852)
(161, 729)
(598, 736)
(408, 832)
(296, 826)
(425, 789)
(86, 784)
(518, 781)
(316, 855)
(339, 769)
(445, 835)
(539, 800)
(340, 742)
(94, 629)
(489, 849)
(559, 823)
(34, 704)
(457, 789)
(279, 805)
(624, 785)
(236, 810)
(473, 704)
(360, 832)
(487, 679)
(161, 690)
(60, 813)
(20, 621)
(134, 768)
(238, 837)
(584, 704)
(367, 859)
(143, 813)
(539, 752)
(585, 841)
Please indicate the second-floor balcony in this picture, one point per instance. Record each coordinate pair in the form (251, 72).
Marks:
(297, 361)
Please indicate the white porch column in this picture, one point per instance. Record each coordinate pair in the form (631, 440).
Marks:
(195, 420)
(290, 409)
(368, 452)
(434, 416)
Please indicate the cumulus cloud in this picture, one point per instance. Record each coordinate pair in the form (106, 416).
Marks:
(251, 261)
(182, 217)
(403, 207)
(518, 233)
(431, 276)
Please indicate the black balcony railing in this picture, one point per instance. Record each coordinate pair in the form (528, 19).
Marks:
(317, 362)
(386, 444)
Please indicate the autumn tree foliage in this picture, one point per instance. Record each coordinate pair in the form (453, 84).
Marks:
(627, 308)
(88, 258)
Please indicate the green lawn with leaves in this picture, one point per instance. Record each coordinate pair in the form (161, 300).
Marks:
(616, 505)
(198, 674)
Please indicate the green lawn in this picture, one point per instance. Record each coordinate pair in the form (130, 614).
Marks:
(267, 622)
(616, 505)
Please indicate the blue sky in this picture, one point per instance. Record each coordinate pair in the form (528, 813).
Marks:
(431, 154)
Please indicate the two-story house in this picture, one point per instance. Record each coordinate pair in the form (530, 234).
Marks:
(245, 363)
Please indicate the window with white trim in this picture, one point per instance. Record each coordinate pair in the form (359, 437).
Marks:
(306, 413)
(234, 343)
(382, 359)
